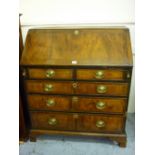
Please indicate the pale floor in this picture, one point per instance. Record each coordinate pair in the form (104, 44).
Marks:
(63, 145)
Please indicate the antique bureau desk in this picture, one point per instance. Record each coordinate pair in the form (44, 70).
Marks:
(77, 81)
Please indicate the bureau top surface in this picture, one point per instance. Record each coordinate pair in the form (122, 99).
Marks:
(77, 47)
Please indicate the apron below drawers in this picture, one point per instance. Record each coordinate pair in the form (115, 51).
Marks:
(77, 122)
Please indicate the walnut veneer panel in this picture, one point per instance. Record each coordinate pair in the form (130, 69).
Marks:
(60, 121)
(98, 104)
(77, 103)
(57, 87)
(108, 74)
(44, 102)
(77, 122)
(57, 73)
(112, 124)
(112, 89)
(89, 47)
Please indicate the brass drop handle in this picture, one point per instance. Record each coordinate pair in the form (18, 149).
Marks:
(50, 73)
(52, 121)
(100, 105)
(100, 124)
(101, 89)
(50, 102)
(99, 74)
(48, 87)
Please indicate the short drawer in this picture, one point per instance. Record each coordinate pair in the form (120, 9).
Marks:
(101, 123)
(50, 73)
(98, 104)
(102, 88)
(54, 121)
(102, 74)
(48, 102)
(36, 86)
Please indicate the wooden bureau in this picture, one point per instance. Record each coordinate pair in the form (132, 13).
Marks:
(77, 81)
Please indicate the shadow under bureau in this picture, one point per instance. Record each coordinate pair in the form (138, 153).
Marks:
(77, 81)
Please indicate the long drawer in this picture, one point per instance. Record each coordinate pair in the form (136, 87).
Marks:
(77, 122)
(77, 103)
(85, 88)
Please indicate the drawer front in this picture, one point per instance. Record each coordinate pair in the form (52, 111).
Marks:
(50, 73)
(102, 74)
(96, 88)
(96, 104)
(57, 121)
(49, 87)
(48, 102)
(102, 88)
(101, 123)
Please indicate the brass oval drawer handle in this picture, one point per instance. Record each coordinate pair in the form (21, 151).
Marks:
(50, 73)
(100, 105)
(99, 74)
(101, 89)
(50, 102)
(100, 124)
(52, 121)
(48, 87)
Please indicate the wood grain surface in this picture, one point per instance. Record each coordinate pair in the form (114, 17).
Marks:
(87, 47)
